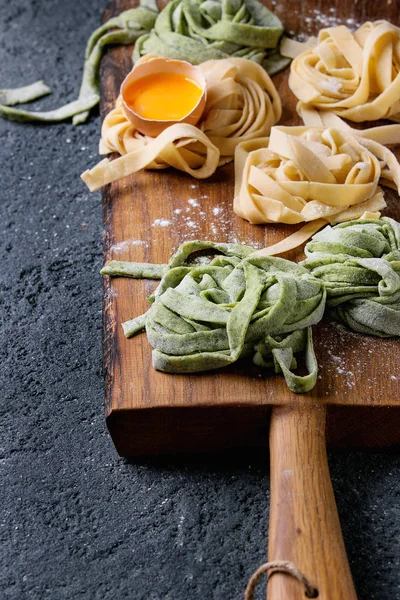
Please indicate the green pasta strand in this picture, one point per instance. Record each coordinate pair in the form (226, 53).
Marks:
(134, 326)
(135, 270)
(27, 93)
(239, 305)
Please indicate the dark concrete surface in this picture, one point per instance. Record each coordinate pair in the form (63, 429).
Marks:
(77, 521)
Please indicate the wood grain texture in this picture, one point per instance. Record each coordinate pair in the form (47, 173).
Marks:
(355, 370)
(304, 526)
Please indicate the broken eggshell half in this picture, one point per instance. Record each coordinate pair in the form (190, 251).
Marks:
(151, 65)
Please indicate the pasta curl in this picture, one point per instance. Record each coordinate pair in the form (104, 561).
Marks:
(354, 75)
(242, 104)
(359, 265)
(200, 30)
(207, 317)
(318, 175)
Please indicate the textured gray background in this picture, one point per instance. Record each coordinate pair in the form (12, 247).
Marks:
(77, 521)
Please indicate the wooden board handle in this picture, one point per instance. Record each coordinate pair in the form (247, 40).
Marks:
(304, 525)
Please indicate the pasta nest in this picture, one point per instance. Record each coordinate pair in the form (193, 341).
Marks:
(242, 104)
(307, 174)
(359, 265)
(355, 75)
(200, 30)
(209, 316)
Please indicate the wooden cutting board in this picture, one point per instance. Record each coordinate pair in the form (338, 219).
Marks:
(146, 217)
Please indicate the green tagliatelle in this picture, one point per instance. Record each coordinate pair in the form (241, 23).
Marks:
(201, 30)
(27, 93)
(208, 316)
(359, 265)
(192, 30)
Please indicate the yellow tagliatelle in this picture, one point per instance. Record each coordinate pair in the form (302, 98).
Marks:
(311, 174)
(354, 75)
(242, 104)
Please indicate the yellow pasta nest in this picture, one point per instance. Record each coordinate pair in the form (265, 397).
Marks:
(308, 174)
(355, 75)
(242, 104)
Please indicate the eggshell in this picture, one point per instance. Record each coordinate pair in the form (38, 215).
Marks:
(148, 66)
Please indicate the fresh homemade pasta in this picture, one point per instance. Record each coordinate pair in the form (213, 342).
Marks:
(200, 30)
(313, 175)
(359, 265)
(242, 304)
(27, 93)
(355, 75)
(208, 316)
(242, 104)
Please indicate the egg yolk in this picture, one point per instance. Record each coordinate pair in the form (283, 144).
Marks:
(163, 96)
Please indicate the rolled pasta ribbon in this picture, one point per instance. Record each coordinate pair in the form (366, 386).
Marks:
(315, 175)
(161, 148)
(353, 75)
(242, 104)
(359, 265)
(384, 134)
(206, 317)
(202, 30)
(364, 238)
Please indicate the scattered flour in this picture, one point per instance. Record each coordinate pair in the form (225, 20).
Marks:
(331, 85)
(125, 245)
(193, 202)
(181, 532)
(110, 292)
(161, 223)
(316, 19)
(330, 19)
